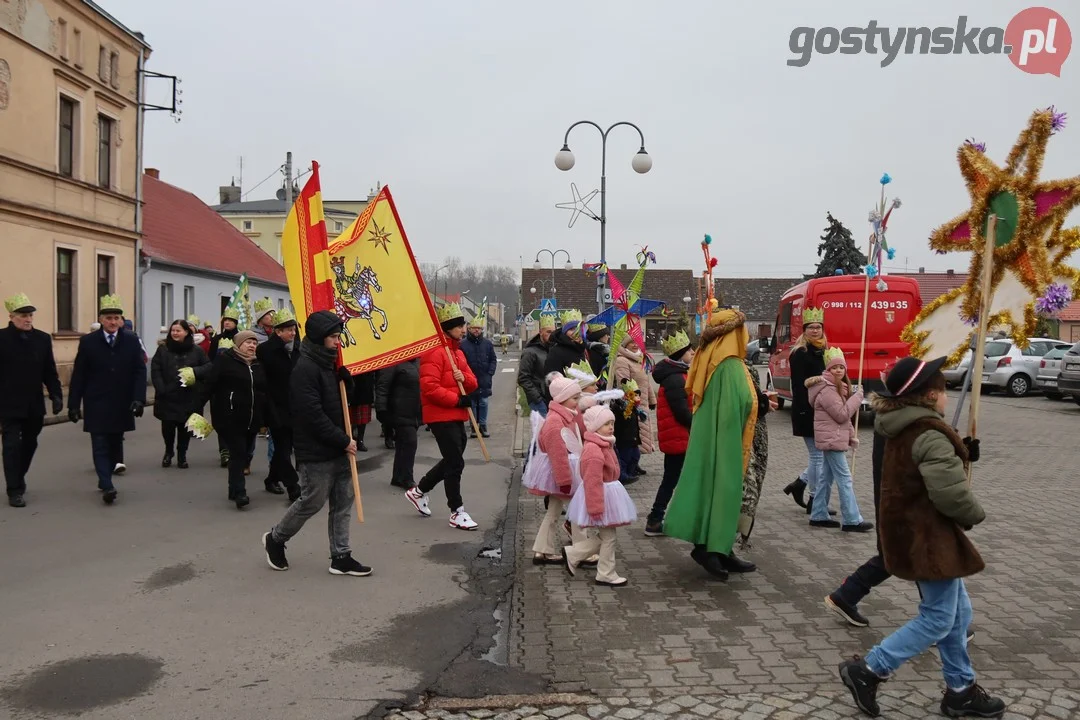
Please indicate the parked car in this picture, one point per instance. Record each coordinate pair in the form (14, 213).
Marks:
(1049, 371)
(1069, 380)
(755, 351)
(957, 376)
(1013, 370)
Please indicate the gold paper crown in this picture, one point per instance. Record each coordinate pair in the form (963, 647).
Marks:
(449, 311)
(569, 316)
(193, 321)
(283, 317)
(478, 320)
(547, 322)
(231, 313)
(111, 303)
(813, 315)
(262, 307)
(582, 366)
(225, 344)
(832, 354)
(19, 302)
(674, 343)
(594, 326)
(629, 385)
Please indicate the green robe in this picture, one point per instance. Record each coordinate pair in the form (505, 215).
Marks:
(708, 499)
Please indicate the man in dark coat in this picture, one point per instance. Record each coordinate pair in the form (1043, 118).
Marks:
(323, 447)
(398, 406)
(26, 364)
(480, 354)
(108, 388)
(567, 344)
(531, 367)
(278, 356)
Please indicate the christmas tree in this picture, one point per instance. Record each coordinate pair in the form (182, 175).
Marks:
(838, 252)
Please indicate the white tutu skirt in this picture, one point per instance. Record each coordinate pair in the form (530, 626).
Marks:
(618, 508)
(538, 477)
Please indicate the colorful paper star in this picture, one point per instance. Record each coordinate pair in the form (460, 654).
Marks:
(380, 237)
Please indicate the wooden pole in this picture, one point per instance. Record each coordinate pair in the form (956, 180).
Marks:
(352, 458)
(862, 348)
(472, 418)
(977, 357)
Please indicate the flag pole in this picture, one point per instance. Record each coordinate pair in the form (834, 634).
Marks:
(982, 327)
(865, 314)
(472, 418)
(352, 458)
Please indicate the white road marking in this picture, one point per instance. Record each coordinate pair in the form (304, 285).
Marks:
(508, 369)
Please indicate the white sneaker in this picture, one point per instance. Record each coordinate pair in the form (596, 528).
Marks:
(419, 501)
(120, 469)
(460, 519)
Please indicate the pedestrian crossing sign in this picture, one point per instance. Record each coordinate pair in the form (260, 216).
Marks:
(548, 306)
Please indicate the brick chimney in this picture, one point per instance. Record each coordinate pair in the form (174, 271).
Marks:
(229, 193)
(153, 172)
(922, 271)
(950, 272)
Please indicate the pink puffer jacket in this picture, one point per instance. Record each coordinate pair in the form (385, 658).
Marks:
(832, 415)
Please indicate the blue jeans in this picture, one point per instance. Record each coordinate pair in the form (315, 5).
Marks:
(836, 470)
(108, 450)
(944, 617)
(480, 409)
(541, 408)
(812, 474)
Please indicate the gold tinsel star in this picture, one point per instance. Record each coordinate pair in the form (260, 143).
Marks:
(1031, 216)
(380, 237)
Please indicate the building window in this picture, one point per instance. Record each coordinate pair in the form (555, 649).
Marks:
(77, 47)
(247, 225)
(104, 275)
(68, 114)
(166, 304)
(281, 303)
(62, 31)
(103, 64)
(189, 301)
(338, 226)
(65, 295)
(114, 70)
(105, 135)
(224, 304)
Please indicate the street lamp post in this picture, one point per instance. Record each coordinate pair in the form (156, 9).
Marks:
(444, 267)
(553, 253)
(642, 163)
(543, 284)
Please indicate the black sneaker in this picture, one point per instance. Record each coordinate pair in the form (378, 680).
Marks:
(863, 684)
(166, 461)
(241, 499)
(973, 702)
(275, 552)
(16, 501)
(824, 523)
(224, 457)
(654, 528)
(863, 527)
(345, 565)
(847, 612)
(273, 487)
(640, 471)
(109, 496)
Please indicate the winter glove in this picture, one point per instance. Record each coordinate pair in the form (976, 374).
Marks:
(465, 400)
(972, 445)
(187, 377)
(57, 404)
(652, 407)
(74, 415)
(136, 409)
(344, 375)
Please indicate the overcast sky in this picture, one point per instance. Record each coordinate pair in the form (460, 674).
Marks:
(460, 107)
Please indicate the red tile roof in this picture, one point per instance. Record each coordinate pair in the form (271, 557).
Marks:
(180, 229)
(934, 285)
(1071, 313)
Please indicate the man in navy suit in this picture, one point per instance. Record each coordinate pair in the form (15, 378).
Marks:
(108, 388)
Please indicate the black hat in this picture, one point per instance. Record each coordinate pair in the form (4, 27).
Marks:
(322, 324)
(909, 375)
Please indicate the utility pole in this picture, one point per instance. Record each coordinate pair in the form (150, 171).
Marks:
(288, 196)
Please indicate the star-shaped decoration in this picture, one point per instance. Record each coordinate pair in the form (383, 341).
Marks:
(579, 205)
(380, 237)
(1030, 228)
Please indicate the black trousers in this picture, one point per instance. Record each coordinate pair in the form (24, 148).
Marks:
(868, 576)
(451, 439)
(404, 455)
(20, 443)
(237, 443)
(175, 434)
(673, 465)
(281, 464)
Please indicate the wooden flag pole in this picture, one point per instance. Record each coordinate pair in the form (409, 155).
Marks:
(352, 458)
(982, 327)
(472, 418)
(862, 345)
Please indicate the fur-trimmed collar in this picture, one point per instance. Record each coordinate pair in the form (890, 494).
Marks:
(712, 332)
(882, 404)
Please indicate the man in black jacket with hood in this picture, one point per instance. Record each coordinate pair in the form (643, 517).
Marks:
(26, 364)
(322, 447)
(531, 367)
(278, 356)
(567, 344)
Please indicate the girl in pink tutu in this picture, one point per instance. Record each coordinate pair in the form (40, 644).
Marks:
(602, 501)
(549, 472)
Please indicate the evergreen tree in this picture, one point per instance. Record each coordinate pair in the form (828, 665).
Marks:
(838, 252)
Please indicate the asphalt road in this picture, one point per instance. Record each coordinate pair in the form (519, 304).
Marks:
(162, 606)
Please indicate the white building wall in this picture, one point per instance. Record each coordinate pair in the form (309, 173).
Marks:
(209, 294)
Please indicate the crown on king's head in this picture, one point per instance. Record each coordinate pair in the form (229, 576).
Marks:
(547, 322)
(337, 262)
(479, 320)
(813, 315)
(263, 306)
(231, 313)
(19, 302)
(569, 316)
(193, 321)
(449, 311)
(111, 304)
(674, 343)
(284, 316)
(582, 372)
(833, 353)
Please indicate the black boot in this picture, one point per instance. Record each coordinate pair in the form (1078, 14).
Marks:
(167, 460)
(181, 462)
(863, 684)
(973, 702)
(273, 487)
(241, 499)
(735, 564)
(796, 489)
(710, 561)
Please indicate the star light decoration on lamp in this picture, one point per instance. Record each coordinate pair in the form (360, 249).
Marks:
(579, 205)
(1031, 245)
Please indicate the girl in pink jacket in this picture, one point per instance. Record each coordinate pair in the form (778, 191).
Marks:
(601, 502)
(834, 405)
(549, 473)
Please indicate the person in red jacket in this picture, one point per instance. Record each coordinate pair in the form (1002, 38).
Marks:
(673, 419)
(445, 411)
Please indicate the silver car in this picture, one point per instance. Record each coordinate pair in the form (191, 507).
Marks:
(1069, 380)
(1013, 370)
(1049, 373)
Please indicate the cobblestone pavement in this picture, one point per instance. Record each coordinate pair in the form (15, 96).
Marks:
(765, 643)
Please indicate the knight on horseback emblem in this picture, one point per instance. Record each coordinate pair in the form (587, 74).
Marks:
(353, 299)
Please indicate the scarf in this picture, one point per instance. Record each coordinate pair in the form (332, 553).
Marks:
(179, 347)
(610, 439)
(819, 343)
(246, 359)
(321, 355)
(630, 354)
(724, 337)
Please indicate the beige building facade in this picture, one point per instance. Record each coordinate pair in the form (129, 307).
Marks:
(69, 78)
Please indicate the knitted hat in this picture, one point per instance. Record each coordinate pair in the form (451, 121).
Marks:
(320, 325)
(834, 356)
(19, 303)
(597, 417)
(243, 336)
(563, 388)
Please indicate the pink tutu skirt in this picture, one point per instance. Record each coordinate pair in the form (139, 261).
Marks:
(618, 508)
